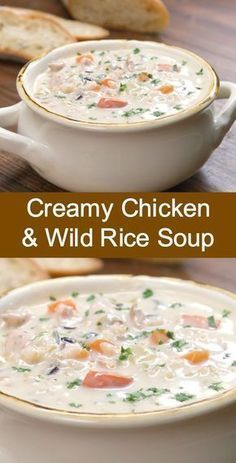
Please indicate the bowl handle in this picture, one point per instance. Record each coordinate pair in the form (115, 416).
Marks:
(227, 116)
(15, 143)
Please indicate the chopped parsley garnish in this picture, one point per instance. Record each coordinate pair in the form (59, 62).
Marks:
(125, 353)
(155, 81)
(99, 311)
(178, 107)
(147, 293)
(216, 387)
(184, 63)
(74, 405)
(175, 68)
(142, 394)
(170, 334)
(75, 383)
(91, 105)
(90, 298)
(211, 322)
(86, 313)
(134, 112)
(183, 396)
(136, 51)
(44, 319)
(21, 369)
(200, 72)
(52, 298)
(179, 344)
(123, 87)
(176, 305)
(233, 364)
(158, 114)
(226, 313)
(75, 294)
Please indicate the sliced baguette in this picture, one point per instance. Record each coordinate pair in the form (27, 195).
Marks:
(83, 31)
(18, 272)
(68, 266)
(136, 15)
(25, 33)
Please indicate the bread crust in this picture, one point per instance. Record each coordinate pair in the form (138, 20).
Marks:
(156, 8)
(68, 31)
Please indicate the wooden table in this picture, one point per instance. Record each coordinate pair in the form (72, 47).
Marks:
(216, 272)
(204, 26)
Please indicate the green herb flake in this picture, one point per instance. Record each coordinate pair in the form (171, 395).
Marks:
(170, 334)
(211, 322)
(91, 298)
(52, 298)
(125, 353)
(155, 81)
(75, 294)
(142, 394)
(226, 313)
(147, 293)
(86, 313)
(74, 405)
(183, 396)
(123, 87)
(216, 387)
(175, 68)
(91, 105)
(75, 383)
(200, 72)
(44, 319)
(99, 312)
(179, 344)
(184, 63)
(233, 364)
(136, 51)
(158, 113)
(178, 107)
(176, 305)
(21, 369)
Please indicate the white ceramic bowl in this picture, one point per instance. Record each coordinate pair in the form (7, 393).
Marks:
(201, 432)
(145, 156)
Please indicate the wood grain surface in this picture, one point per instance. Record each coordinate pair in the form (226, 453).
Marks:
(203, 26)
(216, 272)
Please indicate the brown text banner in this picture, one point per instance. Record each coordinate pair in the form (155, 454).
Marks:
(176, 225)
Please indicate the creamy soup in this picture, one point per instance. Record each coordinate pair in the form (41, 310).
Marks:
(125, 352)
(121, 86)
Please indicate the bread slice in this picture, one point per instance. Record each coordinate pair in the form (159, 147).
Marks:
(68, 266)
(18, 272)
(81, 30)
(25, 33)
(135, 15)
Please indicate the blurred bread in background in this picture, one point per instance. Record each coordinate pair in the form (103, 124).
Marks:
(57, 266)
(18, 272)
(25, 33)
(135, 15)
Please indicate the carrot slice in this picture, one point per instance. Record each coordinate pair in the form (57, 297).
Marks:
(166, 89)
(108, 83)
(198, 321)
(98, 345)
(96, 379)
(159, 337)
(62, 306)
(86, 58)
(197, 356)
(143, 77)
(83, 354)
(108, 103)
